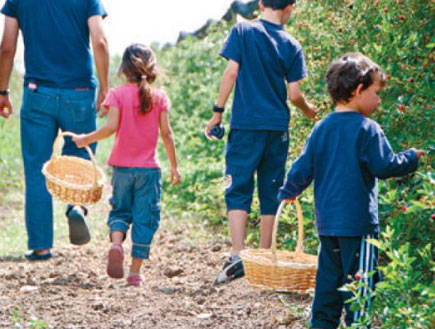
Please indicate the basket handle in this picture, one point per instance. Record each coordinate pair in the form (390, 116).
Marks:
(299, 245)
(88, 149)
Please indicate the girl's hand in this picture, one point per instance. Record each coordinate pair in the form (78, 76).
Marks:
(80, 140)
(175, 176)
(288, 200)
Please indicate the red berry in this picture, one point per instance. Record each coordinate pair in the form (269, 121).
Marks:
(432, 217)
(358, 276)
(402, 107)
(402, 17)
(428, 107)
(428, 37)
(404, 208)
(300, 24)
(411, 80)
(388, 77)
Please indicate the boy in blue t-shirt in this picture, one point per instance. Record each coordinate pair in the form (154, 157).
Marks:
(345, 154)
(262, 57)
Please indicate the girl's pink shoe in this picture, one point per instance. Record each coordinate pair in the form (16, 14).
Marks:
(115, 260)
(134, 280)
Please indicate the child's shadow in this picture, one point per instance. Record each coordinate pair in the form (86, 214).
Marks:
(73, 281)
(11, 259)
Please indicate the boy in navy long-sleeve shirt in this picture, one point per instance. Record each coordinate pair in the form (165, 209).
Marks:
(345, 154)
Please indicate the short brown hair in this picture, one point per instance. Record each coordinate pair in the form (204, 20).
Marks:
(348, 72)
(277, 4)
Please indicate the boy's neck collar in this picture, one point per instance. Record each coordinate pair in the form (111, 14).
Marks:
(273, 17)
(345, 108)
(273, 24)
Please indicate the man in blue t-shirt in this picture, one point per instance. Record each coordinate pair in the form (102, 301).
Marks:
(59, 93)
(263, 58)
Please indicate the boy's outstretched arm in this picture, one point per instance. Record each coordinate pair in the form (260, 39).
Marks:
(381, 160)
(227, 84)
(169, 144)
(298, 100)
(105, 131)
(300, 175)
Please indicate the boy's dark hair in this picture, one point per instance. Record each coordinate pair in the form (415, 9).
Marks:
(139, 66)
(347, 73)
(277, 4)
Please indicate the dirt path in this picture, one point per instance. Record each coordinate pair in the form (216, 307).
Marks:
(72, 291)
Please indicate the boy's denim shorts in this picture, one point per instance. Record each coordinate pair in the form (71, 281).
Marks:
(135, 201)
(250, 152)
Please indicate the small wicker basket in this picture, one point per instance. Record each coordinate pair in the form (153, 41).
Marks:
(72, 179)
(281, 270)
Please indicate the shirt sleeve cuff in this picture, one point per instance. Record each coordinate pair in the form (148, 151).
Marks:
(298, 78)
(8, 12)
(228, 55)
(284, 195)
(413, 158)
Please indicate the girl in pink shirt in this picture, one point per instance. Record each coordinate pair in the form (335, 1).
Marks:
(136, 112)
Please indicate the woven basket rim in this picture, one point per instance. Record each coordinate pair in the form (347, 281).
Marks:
(247, 255)
(58, 181)
(284, 289)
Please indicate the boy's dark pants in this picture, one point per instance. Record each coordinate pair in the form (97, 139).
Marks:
(255, 152)
(340, 258)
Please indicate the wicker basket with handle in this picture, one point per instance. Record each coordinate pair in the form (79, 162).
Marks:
(72, 179)
(278, 269)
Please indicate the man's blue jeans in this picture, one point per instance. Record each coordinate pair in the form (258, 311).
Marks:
(43, 112)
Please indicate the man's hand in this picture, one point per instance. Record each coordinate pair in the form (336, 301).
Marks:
(175, 176)
(215, 120)
(5, 106)
(102, 111)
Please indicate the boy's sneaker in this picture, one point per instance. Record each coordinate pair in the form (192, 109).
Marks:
(233, 269)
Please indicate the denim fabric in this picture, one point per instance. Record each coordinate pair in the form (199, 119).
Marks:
(249, 152)
(43, 112)
(135, 201)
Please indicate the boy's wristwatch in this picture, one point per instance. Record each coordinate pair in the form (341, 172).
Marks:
(218, 109)
(4, 92)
